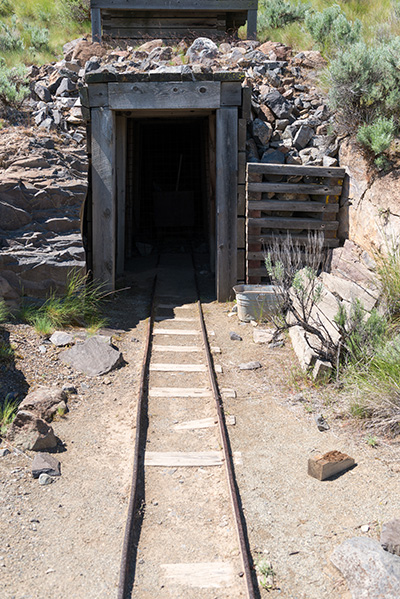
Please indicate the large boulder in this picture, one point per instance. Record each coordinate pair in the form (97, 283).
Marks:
(44, 402)
(28, 431)
(94, 357)
(370, 572)
(84, 50)
(202, 48)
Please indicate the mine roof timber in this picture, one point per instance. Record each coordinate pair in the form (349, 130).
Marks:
(107, 75)
(203, 5)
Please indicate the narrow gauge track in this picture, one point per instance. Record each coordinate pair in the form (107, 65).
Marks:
(184, 535)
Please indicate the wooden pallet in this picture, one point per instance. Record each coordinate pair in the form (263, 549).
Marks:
(282, 199)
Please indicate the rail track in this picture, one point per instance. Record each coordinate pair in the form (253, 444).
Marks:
(185, 534)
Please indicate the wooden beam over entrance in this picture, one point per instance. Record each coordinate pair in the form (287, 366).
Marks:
(226, 200)
(103, 194)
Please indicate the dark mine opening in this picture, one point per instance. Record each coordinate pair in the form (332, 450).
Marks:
(168, 187)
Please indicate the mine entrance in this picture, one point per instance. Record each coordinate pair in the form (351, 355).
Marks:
(169, 197)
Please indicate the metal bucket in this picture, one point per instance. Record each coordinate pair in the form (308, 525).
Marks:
(256, 302)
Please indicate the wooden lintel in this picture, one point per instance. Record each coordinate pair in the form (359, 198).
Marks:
(198, 5)
(164, 95)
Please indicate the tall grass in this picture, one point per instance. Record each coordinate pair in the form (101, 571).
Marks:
(8, 410)
(79, 306)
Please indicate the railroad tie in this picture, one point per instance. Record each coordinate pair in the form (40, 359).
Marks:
(200, 575)
(182, 368)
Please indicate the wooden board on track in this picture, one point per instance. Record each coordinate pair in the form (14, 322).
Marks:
(175, 332)
(178, 348)
(183, 458)
(203, 423)
(182, 368)
(179, 392)
(201, 575)
(175, 319)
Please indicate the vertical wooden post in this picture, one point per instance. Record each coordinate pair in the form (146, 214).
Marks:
(104, 196)
(252, 24)
(96, 24)
(120, 145)
(226, 201)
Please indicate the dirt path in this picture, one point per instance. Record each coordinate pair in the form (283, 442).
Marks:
(67, 537)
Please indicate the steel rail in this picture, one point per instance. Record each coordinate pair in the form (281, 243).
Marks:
(134, 494)
(233, 491)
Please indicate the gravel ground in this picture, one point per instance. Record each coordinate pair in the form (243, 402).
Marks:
(66, 538)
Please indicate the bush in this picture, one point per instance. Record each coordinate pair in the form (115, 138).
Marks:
(365, 82)
(79, 10)
(331, 29)
(38, 36)
(279, 13)
(13, 85)
(378, 136)
(6, 8)
(10, 39)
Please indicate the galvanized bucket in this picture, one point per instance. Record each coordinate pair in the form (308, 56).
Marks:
(256, 302)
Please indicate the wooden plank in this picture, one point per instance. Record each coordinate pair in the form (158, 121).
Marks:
(268, 237)
(95, 16)
(121, 153)
(241, 264)
(241, 229)
(171, 306)
(211, 5)
(252, 24)
(242, 135)
(203, 423)
(246, 103)
(171, 34)
(175, 332)
(182, 368)
(294, 188)
(175, 459)
(175, 319)
(228, 393)
(296, 169)
(172, 392)
(164, 95)
(231, 93)
(242, 168)
(215, 349)
(186, 349)
(292, 205)
(98, 94)
(241, 206)
(103, 194)
(200, 575)
(179, 22)
(226, 201)
(275, 222)
(329, 464)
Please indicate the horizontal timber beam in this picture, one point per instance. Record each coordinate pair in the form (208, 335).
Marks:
(213, 5)
(164, 95)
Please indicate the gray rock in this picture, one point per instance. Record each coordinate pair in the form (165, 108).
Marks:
(93, 357)
(321, 423)
(390, 537)
(261, 131)
(30, 432)
(45, 463)
(273, 157)
(328, 161)
(45, 402)
(92, 65)
(42, 349)
(70, 389)
(45, 479)
(65, 87)
(370, 572)
(263, 335)
(250, 366)
(42, 92)
(202, 48)
(302, 137)
(281, 108)
(61, 339)
(47, 124)
(234, 336)
(322, 370)
(13, 218)
(4, 451)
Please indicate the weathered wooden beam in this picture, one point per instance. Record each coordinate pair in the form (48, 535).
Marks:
(121, 150)
(268, 237)
(226, 201)
(231, 93)
(252, 24)
(95, 15)
(276, 222)
(200, 5)
(292, 205)
(312, 189)
(164, 95)
(296, 169)
(103, 193)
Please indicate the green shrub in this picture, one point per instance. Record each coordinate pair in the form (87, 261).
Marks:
(279, 13)
(79, 10)
(38, 36)
(331, 29)
(13, 85)
(377, 136)
(10, 39)
(388, 271)
(8, 411)
(4, 312)
(6, 8)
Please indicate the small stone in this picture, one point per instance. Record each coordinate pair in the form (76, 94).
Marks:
(364, 528)
(4, 451)
(42, 349)
(250, 366)
(61, 339)
(70, 389)
(263, 335)
(234, 336)
(45, 479)
(321, 423)
(47, 464)
(322, 370)
(390, 537)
